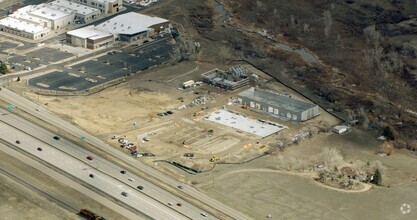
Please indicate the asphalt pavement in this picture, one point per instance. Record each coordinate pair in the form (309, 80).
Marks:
(46, 116)
(67, 181)
(77, 168)
(96, 166)
(111, 66)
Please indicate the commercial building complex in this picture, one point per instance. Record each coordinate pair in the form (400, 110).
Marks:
(126, 27)
(277, 104)
(231, 79)
(36, 21)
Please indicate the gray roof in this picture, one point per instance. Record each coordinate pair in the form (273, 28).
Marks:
(276, 100)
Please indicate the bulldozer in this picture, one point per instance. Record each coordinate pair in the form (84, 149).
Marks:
(214, 159)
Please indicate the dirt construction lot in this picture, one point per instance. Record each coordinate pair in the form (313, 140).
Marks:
(130, 109)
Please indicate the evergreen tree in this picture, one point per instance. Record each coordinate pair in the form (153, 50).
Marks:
(377, 177)
(3, 68)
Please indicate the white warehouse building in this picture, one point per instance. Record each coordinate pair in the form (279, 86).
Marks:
(23, 28)
(83, 12)
(134, 26)
(36, 21)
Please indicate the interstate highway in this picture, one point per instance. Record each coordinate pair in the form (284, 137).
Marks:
(52, 119)
(72, 159)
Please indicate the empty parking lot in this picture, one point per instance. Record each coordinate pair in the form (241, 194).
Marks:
(105, 68)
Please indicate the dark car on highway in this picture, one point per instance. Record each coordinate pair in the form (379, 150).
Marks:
(57, 138)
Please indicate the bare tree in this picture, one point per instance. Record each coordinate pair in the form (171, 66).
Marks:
(292, 21)
(329, 158)
(372, 36)
(372, 57)
(275, 13)
(327, 17)
(387, 147)
(363, 117)
(306, 28)
(393, 64)
(377, 165)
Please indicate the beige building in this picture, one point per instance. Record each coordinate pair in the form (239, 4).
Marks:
(89, 37)
(105, 6)
(82, 12)
(23, 28)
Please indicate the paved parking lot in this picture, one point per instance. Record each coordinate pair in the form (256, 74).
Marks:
(5, 45)
(33, 59)
(48, 55)
(111, 66)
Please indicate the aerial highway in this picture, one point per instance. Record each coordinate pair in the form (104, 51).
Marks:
(52, 119)
(98, 172)
(66, 181)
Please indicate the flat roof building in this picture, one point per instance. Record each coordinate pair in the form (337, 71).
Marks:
(133, 26)
(105, 6)
(23, 28)
(89, 37)
(83, 12)
(277, 104)
(32, 21)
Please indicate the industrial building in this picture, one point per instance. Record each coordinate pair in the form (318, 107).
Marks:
(133, 26)
(89, 37)
(231, 79)
(105, 6)
(278, 104)
(82, 12)
(36, 21)
(23, 28)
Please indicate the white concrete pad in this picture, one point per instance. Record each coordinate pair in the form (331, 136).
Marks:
(244, 123)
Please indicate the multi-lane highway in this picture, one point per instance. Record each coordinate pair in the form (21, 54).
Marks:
(99, 173)
(46, 116)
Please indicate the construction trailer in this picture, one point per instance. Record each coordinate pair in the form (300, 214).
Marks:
(278, 104)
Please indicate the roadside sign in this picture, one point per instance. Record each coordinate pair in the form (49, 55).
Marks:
(82, 138)
(10, 107)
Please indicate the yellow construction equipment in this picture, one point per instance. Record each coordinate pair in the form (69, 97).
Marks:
(214, 159)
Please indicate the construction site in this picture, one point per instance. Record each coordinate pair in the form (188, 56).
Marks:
(205, 120)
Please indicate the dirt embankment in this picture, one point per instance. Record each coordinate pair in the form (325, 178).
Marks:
(366, 77)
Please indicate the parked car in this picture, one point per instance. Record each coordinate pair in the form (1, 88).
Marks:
(91, 175)
(124, 194)
(17, 142)
(57, 138)
(179, 204)
(140, 187)
(90, 158)
(179, 187)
